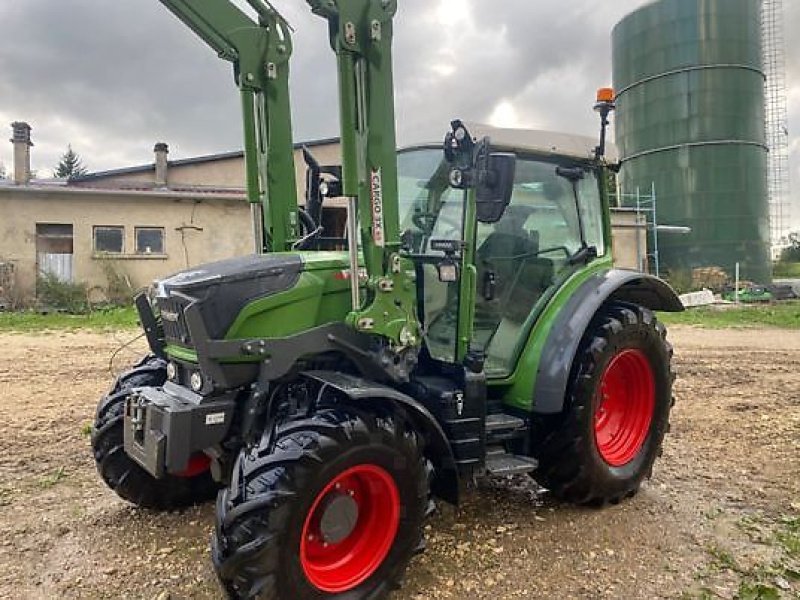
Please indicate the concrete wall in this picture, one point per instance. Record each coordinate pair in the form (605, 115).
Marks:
(218, 228)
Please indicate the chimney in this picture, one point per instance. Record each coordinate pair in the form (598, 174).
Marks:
(21, 138)
(161, 150)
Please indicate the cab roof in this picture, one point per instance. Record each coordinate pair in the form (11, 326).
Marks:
(540, 142)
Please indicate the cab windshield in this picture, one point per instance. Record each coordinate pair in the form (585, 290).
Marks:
(555, 214)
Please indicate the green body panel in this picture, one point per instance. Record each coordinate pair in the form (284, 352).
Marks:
(469, 277)
(690, 120)
(181, 353)
(518, 387)
(318, 297)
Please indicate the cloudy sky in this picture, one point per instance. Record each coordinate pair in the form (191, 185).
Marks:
(112, 78)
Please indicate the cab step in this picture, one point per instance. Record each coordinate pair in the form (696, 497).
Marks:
(499, 462)
(502, 426)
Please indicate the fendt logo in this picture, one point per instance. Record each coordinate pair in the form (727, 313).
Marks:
(376, 193)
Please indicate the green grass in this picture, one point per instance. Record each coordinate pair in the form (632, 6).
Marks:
(100, 320)
(784, 315)
(789, 270)
(52, 478)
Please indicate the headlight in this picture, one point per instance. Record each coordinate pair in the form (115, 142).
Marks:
(196, 381)
(172, 371)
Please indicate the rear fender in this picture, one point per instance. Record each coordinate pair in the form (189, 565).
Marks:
(565, 336)
(360, 391)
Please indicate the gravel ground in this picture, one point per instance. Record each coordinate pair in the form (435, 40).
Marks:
(719, 519)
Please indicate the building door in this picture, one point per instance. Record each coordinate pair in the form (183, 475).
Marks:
(54, 251)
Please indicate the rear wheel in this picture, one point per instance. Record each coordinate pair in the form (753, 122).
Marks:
(130, 481)
(617, 410)
(333, 509)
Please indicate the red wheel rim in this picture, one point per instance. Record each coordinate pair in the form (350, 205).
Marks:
(627, 398)
(341, 565)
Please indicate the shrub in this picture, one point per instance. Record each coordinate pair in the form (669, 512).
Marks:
(680, 280)
(120, 289)
(69, 297)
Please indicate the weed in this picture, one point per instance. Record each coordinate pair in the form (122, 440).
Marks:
(86, 430)
(120, 289)
(723, 558)
(53, 478)
(789, 536)
(757, 591)
(62, 295)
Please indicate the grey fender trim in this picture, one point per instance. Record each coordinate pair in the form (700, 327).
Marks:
(437, 448)
(562, 342)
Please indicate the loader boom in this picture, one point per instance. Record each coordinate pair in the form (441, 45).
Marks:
(260, 55)
(361, 36)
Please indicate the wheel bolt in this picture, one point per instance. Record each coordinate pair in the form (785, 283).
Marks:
(310, 537)
(351, 492)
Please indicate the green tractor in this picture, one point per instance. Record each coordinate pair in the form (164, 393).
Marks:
(473, 324)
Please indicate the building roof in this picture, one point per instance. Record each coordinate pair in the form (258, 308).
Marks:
(60, 187)
(189, 161)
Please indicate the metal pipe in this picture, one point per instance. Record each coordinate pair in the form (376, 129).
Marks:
(655, 230)
(257, 215)
(352, 250)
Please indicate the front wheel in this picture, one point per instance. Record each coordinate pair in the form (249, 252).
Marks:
(616, 413)
(332, 509)
(120, 472)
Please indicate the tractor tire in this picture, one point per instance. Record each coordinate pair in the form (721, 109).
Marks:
(130, 481)
(334, 508)
(616, 414)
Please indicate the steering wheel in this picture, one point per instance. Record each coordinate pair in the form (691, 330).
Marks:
(426, 221)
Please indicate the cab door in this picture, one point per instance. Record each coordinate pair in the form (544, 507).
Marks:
(530, 251)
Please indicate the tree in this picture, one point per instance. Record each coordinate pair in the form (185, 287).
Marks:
(70, 165)
(2, 171)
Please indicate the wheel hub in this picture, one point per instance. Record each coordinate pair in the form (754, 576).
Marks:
(350, 528)
(339, 518)
(624, 407)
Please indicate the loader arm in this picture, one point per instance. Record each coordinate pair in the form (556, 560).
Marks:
(360, 33)
(260, 55)
(361, 36)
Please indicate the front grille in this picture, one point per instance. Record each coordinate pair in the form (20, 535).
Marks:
(173, 321)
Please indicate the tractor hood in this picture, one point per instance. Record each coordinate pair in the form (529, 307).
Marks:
(222, 290)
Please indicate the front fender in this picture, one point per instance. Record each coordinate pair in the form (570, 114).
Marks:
(565, 336)
(361, 391)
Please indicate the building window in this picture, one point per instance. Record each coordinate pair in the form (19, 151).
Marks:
(109, 239)
(149, 240)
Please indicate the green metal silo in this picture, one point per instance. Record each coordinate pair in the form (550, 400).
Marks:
(690, 122)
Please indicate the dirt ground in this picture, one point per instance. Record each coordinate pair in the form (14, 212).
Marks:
(721, 514)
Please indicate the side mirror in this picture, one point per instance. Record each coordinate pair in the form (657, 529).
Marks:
(494, 187)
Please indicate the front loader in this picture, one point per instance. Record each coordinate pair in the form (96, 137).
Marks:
(475, 325)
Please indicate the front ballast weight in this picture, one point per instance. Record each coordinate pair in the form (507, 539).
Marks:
(166, 426)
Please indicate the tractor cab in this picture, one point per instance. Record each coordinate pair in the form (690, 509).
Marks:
(552, 227)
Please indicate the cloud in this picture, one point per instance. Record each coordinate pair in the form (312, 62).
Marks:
(112, 78)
